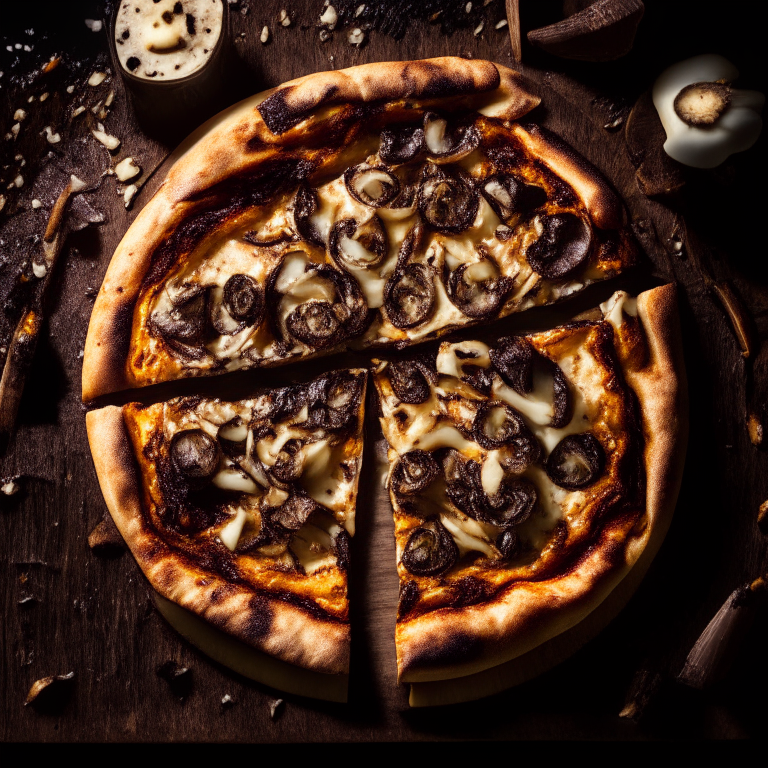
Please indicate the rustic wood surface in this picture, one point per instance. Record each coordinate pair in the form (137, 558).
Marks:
(65, 609)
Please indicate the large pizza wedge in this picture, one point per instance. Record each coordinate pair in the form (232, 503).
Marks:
(532, 481)
(376, 206)
(240, 514)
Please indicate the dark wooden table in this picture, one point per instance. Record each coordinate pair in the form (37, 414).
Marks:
(65, 609)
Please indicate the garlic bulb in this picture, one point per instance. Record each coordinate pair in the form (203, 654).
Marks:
(705, 119)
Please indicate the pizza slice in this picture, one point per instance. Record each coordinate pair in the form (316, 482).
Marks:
(377, 206)
(240, 514)
(532, 481)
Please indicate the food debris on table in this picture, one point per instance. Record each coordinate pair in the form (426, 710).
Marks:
(49, 694)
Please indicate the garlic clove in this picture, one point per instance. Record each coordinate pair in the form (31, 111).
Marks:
(735, 130)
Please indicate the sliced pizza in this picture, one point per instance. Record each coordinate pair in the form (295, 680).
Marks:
(242, 512)
(532, 480)
(377, 206)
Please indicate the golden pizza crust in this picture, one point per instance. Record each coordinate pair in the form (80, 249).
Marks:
(265, 622)
(454, 642)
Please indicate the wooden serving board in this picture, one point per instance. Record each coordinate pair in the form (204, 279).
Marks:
(64, 609)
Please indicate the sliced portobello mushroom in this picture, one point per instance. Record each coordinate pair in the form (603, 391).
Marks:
(515, 359)
(334, 401)
(414, 473)
(400, 145)
(498, 425)
(511, 505)
(289, 463)
(409, 295)
(430, 550)
(448, 203)
(239, 304)
(410, 381)
(293, 512)
(318, 323)
(462, 481)
(447, 144)
(563, 246)
(478, 289)
(372, 185)
(186, 321)
(195, 456)
(509, 196)
(358, 245)
(305, 204)
(576, 462)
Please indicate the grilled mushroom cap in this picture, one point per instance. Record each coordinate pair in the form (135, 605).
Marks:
(400, 145)
(508, 195)
(414, 473)
(409, 382)
(334, 401)
(448, 144)
(293, 512)
(497, 425)
(321, 324)
(430, 550)
(447, 203)
(576, 462)
(511, 505)
(371, 185)
(562, 247)
(478, 289)
(360, 246)
(238, 305)
(409, 295)
(185, 321)
(305, 205)
(194, 456)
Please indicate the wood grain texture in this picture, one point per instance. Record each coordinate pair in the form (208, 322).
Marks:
(65, 609)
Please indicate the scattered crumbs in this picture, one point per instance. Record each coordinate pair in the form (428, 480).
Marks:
(501, 24)
(129, 194)
(19, 181)
(10, 485)
(275, 706)
(30, 99)
(93, 24)
(81, 354)
(264, 34)
(356, 36)
(359, 9)
(2, 202)
(53, 138)
(468, 8)
(110, 98)
(15, 128)
(110, 142)
(97, 78)
(28, 48)
(325, 35)
(70, 89)
(17, 46)
(127, 169)
(19, 115)
(39, 270)
(96, 107)
(78, 111)
(479, 28)
(227, 701)
(329, 17)
(36, 204)
(43, 96)
(285, 19)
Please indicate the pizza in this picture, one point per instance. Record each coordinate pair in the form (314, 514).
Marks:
(366, 211)
(372, 207)
(242, 512)
(529, 477)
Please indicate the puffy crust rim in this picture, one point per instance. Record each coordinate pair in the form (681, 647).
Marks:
(269, 624)
(452, 643)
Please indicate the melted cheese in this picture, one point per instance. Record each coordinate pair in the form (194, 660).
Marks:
(468, 537)
(232, 479)
(230, 533)
(619, 303)
(450, 364)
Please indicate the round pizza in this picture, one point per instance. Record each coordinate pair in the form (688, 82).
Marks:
(370, 209)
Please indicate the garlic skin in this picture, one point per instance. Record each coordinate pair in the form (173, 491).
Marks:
(735, 130)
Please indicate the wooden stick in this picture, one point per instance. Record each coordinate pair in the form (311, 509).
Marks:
(513, 21)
